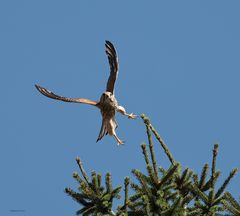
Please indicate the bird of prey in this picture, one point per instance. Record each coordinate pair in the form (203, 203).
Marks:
(107, 104)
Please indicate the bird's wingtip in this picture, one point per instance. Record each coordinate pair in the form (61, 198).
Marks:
(37, 86)
(109, 43)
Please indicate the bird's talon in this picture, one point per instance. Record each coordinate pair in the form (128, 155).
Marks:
(120, 142)
(132, 116)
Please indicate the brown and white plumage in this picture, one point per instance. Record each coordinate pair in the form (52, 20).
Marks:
(113, 63)
(50, 94)
(108, 104)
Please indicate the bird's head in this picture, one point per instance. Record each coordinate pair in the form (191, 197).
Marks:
(108, 97)
(108, 94)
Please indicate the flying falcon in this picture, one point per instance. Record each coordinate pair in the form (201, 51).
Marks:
(108, 104)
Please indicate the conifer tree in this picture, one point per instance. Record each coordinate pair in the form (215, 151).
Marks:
(173, 191)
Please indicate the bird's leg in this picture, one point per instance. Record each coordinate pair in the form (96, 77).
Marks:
(123, 111)
(111, 125)
(119, 142)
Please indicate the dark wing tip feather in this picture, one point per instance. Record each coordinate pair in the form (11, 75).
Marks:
(50, 94)
(37, 86)
(113, 63)
(45, 92)
(40, 89)
(108, 43)
(110, 48)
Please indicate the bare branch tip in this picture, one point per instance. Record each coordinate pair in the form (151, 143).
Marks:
(145, 119)
(78, 159)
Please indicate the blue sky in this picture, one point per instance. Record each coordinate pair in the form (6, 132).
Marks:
(179, 64)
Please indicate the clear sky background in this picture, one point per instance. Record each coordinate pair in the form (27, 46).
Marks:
(179, 64)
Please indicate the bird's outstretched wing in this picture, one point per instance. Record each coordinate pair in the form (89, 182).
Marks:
(113, 63)
(50, 94)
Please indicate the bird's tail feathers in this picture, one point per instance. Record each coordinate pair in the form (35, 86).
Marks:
(103, 131)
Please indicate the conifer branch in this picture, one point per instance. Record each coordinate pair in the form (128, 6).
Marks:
(146, 205)
(161, 170)
(215, 152)
(169, 174)
(143, 181)
(138, 190)
(108, 182)
(226, 182)
(99, 180)
(203, 176)
(196, 191)
(76, 197)
(150, 142)
(211, 196)
(95, 183)
(195, 212)
(77, 178)
(195, 179)
(164, 146)
(95, 199)
(145, 153)
(153, 177)
(231, 204)
(126, 200)
(166, 192)
(79, 162)
(183, 182)
(211, 181)
(230, 198)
